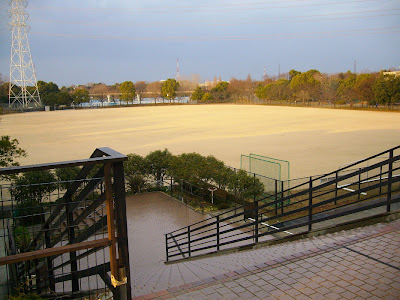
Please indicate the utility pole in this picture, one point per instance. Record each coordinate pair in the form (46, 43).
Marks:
(23, 89)
(355, 67)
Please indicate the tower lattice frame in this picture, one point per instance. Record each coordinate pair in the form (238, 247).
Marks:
(23, 89)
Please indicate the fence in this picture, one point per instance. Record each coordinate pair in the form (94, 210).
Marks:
(364, 185)
(201, 191)
(66, 238)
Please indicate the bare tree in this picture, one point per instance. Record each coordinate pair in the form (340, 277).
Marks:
(154, 89)
(140, 87)
(100, 91)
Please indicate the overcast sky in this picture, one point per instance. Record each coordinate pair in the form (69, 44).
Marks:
(76, 42)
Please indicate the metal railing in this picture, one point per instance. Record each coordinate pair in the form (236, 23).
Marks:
(346, 191)
(71, 240)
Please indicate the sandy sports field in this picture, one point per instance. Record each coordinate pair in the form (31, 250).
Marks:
(315, 141)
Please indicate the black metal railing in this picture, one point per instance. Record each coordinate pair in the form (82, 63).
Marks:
(66, 238)
(370, 183)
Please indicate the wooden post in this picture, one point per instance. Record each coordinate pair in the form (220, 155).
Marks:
(110, 223)
(122, 226)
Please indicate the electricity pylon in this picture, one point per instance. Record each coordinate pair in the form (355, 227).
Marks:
(23, 86)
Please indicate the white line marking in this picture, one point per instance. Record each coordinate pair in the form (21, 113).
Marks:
(271, 226)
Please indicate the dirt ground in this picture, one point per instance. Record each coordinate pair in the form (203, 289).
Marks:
(315, 141)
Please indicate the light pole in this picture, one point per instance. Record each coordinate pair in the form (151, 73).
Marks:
(212, 190)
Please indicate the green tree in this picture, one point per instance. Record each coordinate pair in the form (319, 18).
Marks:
(278, 90)
(169, 88)
(80, 96)
(128, 91)
(363, 87)
(246, 186)
(346, 87)
(261, 92)
(47, 88)
(64, 98)
(30, 188)
(9, 151)
(49, 99)
(135, 173)
(4, 92)
(387, 89)
(206, 97)
(220, 92)
(157, 163)
(66, 175)
(293, 73)
(307, 85)
(197, 94)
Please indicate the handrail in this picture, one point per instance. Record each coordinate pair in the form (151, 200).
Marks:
(110, 155)
(69, 216)
(205, 236)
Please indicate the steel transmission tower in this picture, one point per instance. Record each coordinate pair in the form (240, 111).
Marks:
(23, 86)
(178, 76)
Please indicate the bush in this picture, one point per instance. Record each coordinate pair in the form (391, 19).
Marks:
(31, 187)
(22, 238)
(223, 205)
(26, 297)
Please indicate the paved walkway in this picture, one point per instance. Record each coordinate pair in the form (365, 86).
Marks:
(362, 263)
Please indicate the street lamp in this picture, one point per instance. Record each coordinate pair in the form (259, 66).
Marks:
(212, 190)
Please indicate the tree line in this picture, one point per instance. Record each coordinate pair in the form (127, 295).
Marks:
(52, 95)
(294, 87)
(192, 168)
(311, 86)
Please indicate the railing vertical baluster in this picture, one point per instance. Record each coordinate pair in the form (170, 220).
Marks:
(282, 196)
(71, 237)
(389, 188)
(217, 232)
(52, 284)
(166, 246)
(276, 197)
(359, 184)
(256, 224)
(188, 238)
(380, 181)
(336, 184)
(310, 205)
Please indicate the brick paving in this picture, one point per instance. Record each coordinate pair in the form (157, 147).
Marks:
(362, 263)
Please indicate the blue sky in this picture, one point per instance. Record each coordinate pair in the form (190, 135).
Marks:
(76, 42)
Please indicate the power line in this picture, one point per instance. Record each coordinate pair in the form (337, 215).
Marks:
(203, 8)
(202, 23)
(238, 37)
